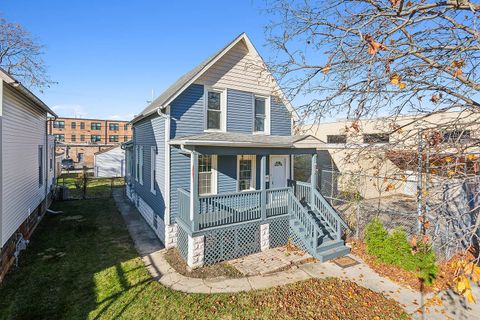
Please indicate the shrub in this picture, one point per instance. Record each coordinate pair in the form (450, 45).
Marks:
(395, 249)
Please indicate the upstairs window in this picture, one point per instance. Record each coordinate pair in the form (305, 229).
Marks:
(376, 138)
(59, 137)
(74, 138)
(59, 124)
(260, 114)
(214, 110)
(457, 136)
(73, 124)
(337, 138)
(125, 127)
(82, 125)
(113, 138)
(96, 126)
(113, 126)
(82, 137)
(125, 138)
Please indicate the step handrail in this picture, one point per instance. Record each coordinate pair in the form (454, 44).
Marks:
(331, 211)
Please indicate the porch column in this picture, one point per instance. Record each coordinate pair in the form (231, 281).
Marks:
(194, 189)
(263, 194)
(313, 178)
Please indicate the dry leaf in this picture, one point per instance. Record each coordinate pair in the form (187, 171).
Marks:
(326, 69)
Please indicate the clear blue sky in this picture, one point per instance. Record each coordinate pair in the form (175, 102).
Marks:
(108, 55)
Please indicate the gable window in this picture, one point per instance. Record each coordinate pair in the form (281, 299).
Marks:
(207, 174)
(59, 124)
(113, 126)
(246, 173)
(40, 165)
(376, 138)
(260, 114)
(153, 171)
(337, 138)
(96, 126)
(214, 110)
(95, 138)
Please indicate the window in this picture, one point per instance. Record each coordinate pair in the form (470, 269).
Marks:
(214, 110)
(96, 126)
(95, 138)
(457, 136)
(337, 138)
(376, 138)
(73, 124)
(82, 137)
(246, 173)
(207, 174)
(260, 114)
(82, 125)
(139, 164)
(125, 138)
(153, 171)
(113, 126)
(125, 127)
(40, 165)
(59, 137)
(74, 138)
(113, 138)
(59, 124)
(50, 158)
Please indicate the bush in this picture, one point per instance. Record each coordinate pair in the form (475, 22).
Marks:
(395, 249)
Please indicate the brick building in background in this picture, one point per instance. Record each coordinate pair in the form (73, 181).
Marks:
(79, 139)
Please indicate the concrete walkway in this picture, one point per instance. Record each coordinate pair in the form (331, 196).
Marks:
(152, 252)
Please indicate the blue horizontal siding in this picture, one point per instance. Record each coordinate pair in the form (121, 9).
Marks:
(280, 121)
(149, 133)
(187, 112)
(239, 111)
(226, 174)
(179, 178)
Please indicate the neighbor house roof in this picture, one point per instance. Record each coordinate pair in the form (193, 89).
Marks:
(188, 78)
(8, 78)
(228, 139)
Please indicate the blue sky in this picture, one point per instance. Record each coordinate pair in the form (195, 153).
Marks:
(108, 55)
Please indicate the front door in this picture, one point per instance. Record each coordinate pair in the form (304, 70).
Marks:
(278, 171)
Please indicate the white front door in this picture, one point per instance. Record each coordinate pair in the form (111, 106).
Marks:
(278, 171)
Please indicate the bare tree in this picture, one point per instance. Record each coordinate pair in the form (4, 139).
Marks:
(21, 55)
(365, 58)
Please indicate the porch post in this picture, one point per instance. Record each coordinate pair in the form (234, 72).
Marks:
(313, 178)
(194, 189)
(263, 195)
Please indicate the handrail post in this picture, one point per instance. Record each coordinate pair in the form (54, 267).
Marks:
(339, 230)
(313, 179)
(263, 194)
(194, 201)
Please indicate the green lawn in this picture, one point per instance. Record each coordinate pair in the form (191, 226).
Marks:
(97, 187)
(82, 265)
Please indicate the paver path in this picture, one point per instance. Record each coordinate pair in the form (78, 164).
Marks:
(152, 252)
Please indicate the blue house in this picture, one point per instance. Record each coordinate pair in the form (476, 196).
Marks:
(210, 165)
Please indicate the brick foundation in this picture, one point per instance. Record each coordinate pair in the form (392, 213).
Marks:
(26, 229)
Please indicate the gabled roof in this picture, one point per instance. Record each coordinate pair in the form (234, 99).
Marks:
(5, 76)
(188, 78)
(230, 139)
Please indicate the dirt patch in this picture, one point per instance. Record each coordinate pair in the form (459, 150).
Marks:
(405, 278)
(328, 299)
(217, 270)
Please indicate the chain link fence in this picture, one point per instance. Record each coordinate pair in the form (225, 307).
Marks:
(80, 186)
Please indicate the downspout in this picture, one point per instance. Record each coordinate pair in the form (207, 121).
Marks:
(46, 157)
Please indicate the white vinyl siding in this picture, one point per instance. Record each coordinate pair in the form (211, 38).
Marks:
(110, 163)
(23, 131)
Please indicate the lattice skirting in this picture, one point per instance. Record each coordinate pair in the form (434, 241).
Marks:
(279, 232)
(232, 242)
(182, 242)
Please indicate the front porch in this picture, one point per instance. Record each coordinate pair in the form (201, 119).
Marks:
(223, 226)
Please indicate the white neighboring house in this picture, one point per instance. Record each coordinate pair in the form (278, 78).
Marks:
(110, 163)
(27, 166)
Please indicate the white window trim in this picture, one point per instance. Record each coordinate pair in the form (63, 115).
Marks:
(214, 176)
(223, 109)
(153, 163)
(137, 163)
(140, 156)
(254, 171)
(268, 106)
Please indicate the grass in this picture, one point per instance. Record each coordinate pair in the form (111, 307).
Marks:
(97, 187)
(82, 265)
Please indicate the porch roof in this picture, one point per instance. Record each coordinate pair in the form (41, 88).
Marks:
(243, 140)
